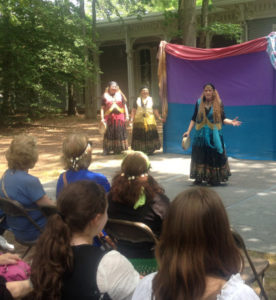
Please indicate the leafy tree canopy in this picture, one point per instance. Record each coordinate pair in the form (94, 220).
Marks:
(41, 46)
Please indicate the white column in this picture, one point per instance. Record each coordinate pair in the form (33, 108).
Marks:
(154, 79)
(130, 73)
(243, 22)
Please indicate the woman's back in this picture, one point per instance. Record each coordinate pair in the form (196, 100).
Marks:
(151, 213)
(83, 174)
(81, 282)
(216, 289)
(27, 190)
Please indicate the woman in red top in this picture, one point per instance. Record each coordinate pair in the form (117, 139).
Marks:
(114, 114)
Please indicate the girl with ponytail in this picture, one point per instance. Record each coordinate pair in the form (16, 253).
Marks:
(66, 265)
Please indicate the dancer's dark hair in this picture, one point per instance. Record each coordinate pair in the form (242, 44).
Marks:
(210, 84)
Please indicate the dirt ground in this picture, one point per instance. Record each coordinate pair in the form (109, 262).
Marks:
(50, 134)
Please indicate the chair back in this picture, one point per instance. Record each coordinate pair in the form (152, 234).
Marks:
(257, 267)
(134, 232)
(136, 241)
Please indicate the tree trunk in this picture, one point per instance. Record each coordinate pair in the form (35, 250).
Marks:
(187, 22)
(71, 102)
(95, 59)
(7, 79)
(87, 84)
(203, 24)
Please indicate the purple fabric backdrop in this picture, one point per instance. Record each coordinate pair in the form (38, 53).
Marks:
(247, 79)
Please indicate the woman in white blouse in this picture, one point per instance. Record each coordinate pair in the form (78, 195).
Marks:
(145, 136)
(197, 255)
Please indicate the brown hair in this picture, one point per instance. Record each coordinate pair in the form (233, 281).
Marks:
(22, 153)
(126, 186)
(195, 242)
(77, 204)
(74, 155)
(216, 105)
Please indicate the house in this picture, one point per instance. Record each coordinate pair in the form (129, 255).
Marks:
(129, 48)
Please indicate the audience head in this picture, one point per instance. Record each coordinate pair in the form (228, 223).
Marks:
(134, 175)
(196, 242)
(135, 165)
(77, 152)
(22, 153)
(79, 205)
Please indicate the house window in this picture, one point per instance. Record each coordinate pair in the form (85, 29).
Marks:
(145, 67)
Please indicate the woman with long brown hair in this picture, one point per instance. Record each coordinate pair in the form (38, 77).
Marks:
(209, 161)
(66, 265)
(136, 196)
(196, 255)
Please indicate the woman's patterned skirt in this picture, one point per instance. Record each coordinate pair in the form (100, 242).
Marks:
(145, 136)
(115, 137)
(209, 165)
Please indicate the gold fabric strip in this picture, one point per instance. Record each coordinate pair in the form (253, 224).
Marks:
(109, 111)
(162, 78)
(209, 124)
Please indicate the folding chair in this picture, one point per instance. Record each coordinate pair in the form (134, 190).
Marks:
(254, 268)
(13, 208)
(131, 238)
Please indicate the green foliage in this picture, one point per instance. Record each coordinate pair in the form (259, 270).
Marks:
(42, 50)
(108, 9)
(232, 31)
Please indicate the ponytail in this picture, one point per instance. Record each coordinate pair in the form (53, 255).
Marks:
(52, 259)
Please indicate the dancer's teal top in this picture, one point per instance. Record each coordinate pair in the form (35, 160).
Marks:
(207, 132)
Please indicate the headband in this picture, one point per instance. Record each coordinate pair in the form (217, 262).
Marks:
(75, 160)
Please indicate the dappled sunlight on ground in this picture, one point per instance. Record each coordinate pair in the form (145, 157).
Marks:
(249, 195)
(49, 134)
